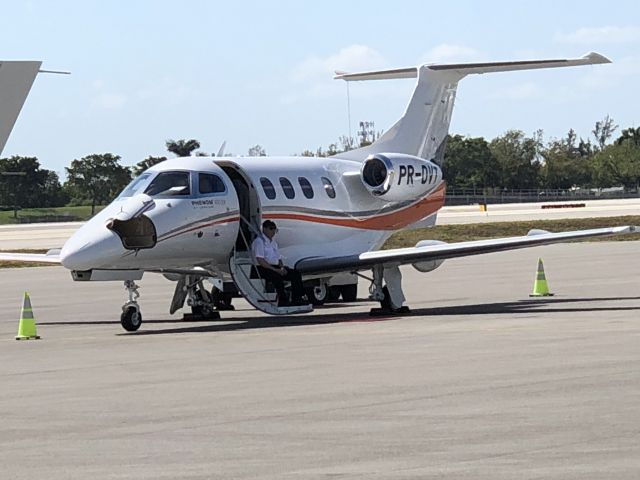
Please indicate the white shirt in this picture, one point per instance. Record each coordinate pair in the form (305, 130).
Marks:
(268, 249)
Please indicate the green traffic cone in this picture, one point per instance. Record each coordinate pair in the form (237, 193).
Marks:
(540, 286)
(27, 326)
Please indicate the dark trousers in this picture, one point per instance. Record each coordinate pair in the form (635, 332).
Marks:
(297, 290)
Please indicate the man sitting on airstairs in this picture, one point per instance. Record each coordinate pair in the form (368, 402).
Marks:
(271, 268)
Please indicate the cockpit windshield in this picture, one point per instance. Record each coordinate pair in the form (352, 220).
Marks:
(169, 183)
(136, 186)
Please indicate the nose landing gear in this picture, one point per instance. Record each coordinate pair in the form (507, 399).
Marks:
(131, 318)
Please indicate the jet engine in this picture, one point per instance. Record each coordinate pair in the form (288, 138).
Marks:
(429, 265)
(398, 177)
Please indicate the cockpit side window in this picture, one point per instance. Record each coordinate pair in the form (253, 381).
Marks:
(170, 184)
(208, 183)
(136, 186)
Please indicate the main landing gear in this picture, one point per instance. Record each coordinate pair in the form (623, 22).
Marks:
(390, 295)
(202, 302)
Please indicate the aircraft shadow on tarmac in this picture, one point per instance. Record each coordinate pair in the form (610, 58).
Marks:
(228, 323)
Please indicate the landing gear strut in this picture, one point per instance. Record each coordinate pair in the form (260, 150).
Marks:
(390, 295)
(131, 318)
(202, 303)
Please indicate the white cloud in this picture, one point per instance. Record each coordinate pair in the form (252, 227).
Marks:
(612, 75)
(599, 35)
(522, 91)
(109, 101)
(166, 90)
(451, 53)
(313, 77)
(353, 58)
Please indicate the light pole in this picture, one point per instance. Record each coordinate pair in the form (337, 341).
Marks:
(14, 189)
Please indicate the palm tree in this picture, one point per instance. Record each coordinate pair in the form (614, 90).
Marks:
(182, 148)
(148, 162)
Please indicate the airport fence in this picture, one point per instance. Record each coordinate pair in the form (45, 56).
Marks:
(470, 196)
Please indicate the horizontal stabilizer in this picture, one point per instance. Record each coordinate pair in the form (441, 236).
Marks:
(469, 68)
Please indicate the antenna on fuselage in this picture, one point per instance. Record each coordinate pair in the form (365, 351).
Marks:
(338, 72)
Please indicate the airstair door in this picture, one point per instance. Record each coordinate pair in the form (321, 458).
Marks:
(258, 291)
(248, 203)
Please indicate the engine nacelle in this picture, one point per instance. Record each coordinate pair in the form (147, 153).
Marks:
(429, 265)
(397, 177)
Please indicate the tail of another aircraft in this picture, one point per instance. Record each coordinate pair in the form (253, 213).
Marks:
(422, 130)
(16, 79)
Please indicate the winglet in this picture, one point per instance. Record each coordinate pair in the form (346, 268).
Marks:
(16, 79)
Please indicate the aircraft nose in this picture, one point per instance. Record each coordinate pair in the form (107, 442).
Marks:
(91, 248)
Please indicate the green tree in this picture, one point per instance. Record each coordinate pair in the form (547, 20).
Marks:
(52, 192)
(257, 151)
(97, 178)
(469, 163)
(148, 162)
(517, 157)
(603, 131)
(631, 135)
(617, 164)
(566, 162)
(182, 148)
(24, 184)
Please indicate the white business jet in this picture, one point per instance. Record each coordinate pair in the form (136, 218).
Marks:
(193, 219)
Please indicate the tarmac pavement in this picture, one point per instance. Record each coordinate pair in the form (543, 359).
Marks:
(479, 381)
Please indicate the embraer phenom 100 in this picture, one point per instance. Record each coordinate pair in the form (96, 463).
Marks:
(193, 219)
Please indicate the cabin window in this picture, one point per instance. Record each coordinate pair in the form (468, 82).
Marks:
(135, 186)
(306, 187)
(209, 183)
(328, 187)
(287, 188)
(269, 189)
(170, 183)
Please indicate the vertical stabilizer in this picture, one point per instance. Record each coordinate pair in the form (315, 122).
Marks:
(16, 79)
(422, 130)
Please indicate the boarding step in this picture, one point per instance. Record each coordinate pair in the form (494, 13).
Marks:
(257, 291)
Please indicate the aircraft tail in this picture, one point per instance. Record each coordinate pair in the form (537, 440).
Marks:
(16, 79)
(422, 130)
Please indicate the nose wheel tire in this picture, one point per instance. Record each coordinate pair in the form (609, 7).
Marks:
(131, 319)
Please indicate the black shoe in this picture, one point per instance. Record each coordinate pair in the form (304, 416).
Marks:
(378, 312)
(283, 303)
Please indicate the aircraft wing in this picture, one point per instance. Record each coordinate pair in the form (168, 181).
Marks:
(442, 251)
(30, 257)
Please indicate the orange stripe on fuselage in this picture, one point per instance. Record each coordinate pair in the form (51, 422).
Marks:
(389, 221)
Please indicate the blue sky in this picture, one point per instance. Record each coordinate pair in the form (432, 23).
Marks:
(260, 72)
